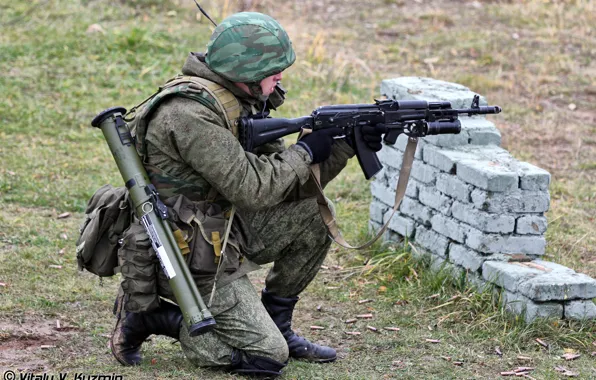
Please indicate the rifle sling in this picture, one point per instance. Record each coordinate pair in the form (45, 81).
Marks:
(400, 191)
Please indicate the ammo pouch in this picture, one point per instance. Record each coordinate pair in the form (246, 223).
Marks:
(202, 225)
(199, 228)
(106, 217)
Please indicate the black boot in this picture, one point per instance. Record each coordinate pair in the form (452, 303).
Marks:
(281, 309)
(133, 329)
(255, 366)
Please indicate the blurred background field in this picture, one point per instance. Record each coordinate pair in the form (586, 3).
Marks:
(63, 61)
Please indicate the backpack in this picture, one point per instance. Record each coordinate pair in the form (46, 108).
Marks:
(107, 215)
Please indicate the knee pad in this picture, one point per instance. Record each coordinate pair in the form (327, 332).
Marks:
(254, 365)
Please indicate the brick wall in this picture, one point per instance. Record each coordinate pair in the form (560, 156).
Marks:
(471, 206)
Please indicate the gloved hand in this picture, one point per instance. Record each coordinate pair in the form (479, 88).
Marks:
(373, 135)
(318, 143)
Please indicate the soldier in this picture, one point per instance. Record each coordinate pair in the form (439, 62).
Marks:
(186, 137)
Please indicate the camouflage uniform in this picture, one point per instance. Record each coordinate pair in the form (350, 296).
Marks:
(190, 152)
(276, 208)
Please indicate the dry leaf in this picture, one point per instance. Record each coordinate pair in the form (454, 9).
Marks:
(570, 356)
(382, 289)
(433, 340)
(154, 361)
(367, 316)
(391, 328)
(523, 369)
(317, 328)
(95, 28)
(351, 320)
(373, 329)
(565, 372)
(542, 343)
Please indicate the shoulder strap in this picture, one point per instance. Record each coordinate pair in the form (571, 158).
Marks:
(210, 94)
(402, 184)
(227, 104)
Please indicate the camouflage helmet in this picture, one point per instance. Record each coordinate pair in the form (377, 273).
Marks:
(248, 47)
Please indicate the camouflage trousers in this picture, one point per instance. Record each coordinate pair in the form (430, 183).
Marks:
(296, 243)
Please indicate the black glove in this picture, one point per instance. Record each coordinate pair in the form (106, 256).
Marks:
(373, 135)
(318, 143)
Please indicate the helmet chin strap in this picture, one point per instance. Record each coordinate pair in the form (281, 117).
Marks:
(257, 91)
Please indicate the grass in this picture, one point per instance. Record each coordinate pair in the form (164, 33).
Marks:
(58, 69)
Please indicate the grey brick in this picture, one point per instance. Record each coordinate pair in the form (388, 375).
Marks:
(382, 193)
(423, 172)
(532, 177)
(465, 257)
(404, 226)
(448, 227)
(531, 225)
(416, 211)
(495, 243)
(517, 201)
(377, 210)
(373, 226)
(432, 241)
(439, 264)
(518, 304)
(580, 310)
(507, 275)
(411, 190)
(455, 188)
(481, 131)
(420, 88)
(551, 267)
(434, 199)
(445, 159)
(487, 175)
(484, 221)
(559, 286)
(447, 140)
(390, 156)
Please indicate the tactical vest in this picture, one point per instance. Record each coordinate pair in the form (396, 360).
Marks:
(210, 94)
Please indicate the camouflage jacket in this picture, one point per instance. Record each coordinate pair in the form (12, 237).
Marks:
(190, 142)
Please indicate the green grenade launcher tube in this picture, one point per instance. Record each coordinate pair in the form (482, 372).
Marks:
(153, 213)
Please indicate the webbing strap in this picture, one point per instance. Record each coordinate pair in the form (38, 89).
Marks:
(400, 191)
(226, 101)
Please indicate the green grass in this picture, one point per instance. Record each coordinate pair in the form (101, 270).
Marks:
(532, 58)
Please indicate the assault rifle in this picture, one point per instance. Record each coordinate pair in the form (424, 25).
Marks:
(414, 118)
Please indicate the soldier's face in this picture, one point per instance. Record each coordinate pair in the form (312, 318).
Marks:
(268, 84)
